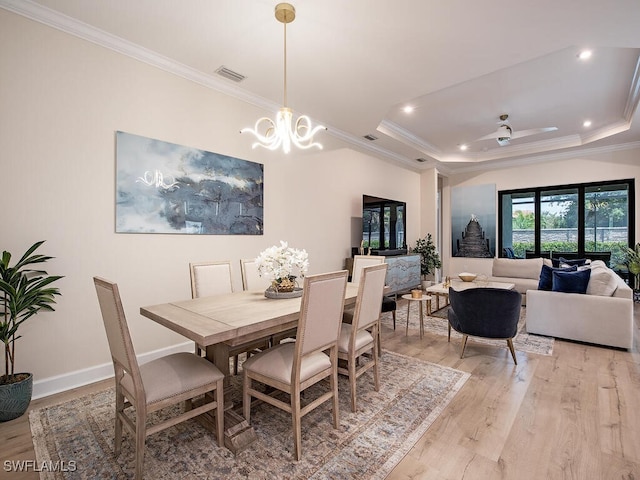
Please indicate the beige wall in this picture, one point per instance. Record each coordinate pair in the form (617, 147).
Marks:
(617, 165)
(61, 101)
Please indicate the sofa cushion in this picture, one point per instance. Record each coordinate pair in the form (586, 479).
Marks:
(546, 276)
(571, 282)
(578, 261)
(603, 282)
(516, 267)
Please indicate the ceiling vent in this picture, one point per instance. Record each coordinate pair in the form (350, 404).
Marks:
(370, 137)
(230, 74)
(421, 160)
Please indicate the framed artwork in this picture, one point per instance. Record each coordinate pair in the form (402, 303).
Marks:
(473, 221)
(162, 187)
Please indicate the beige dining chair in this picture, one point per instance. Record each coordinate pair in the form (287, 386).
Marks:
(293, 367)
(360, 337)
(388, 304)
(251, 280)
(174, 379)
(215, 278)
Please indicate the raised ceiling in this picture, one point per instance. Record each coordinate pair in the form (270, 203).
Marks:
(354, 65)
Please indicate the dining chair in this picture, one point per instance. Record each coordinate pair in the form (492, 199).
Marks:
(360, 337)
(251, 280)
(295, 366)
(215, 278)
(163, 382)
(388, 303)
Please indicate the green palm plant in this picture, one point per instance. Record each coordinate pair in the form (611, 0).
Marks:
(631, 262)
(24, 293)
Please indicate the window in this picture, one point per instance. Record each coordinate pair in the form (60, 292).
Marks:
(569, 220)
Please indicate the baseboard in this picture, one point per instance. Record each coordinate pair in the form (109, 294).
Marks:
(79, 378)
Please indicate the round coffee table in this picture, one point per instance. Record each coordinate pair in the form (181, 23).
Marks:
(412, 299)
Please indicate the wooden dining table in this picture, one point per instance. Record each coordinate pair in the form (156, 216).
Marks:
(223, 321)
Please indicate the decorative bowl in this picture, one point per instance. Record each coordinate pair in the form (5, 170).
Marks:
(467, 277)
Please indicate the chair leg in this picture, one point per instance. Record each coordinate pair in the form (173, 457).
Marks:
(220, 412)
(333, 384)
(378, 335)
(393, 314)
(376, 373)
(449, 338)
(246, 398)
(513, 352)
(464, 344)
(118, 426)
(141, 433)
(297, 427)
(352, 382)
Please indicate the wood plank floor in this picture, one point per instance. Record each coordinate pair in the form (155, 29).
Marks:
(572, 415)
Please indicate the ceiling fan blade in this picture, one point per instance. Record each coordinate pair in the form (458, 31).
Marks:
(531, 131)
(490, 136)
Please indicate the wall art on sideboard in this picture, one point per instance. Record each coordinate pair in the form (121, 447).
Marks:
(473, 221)
(162, 187)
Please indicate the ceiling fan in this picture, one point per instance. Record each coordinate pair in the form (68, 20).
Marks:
(506, 133)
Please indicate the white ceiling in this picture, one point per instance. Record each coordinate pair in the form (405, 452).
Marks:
(353, 65)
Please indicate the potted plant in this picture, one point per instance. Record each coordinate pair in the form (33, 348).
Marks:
(24, 292)
(429, 257)
(631, 264)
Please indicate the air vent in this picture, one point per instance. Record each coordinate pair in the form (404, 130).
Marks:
(230, 74)
(421, 160)
(370, 137)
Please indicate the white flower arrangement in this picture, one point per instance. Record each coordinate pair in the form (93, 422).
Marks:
(282, 262)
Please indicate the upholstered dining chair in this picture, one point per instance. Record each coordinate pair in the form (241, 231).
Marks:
(251, 280)
(174, 379)
(295, 366)
(485, 312)
(215, 278)
(388, 303)
(360, 337)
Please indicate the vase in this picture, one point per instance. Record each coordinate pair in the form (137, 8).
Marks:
(284, 285)
(15, 397)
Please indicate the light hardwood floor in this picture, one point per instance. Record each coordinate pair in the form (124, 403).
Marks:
(572, 415)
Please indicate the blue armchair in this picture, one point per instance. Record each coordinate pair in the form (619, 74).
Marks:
(485, 312)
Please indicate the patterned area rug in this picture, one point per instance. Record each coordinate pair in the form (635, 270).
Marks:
(368, 444)
(438, 325)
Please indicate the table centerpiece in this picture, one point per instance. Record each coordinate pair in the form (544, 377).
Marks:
(282, 264)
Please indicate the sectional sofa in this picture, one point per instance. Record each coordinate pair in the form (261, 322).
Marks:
(603, 315)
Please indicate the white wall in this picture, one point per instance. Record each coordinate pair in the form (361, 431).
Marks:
(583, 168)
(61, 101)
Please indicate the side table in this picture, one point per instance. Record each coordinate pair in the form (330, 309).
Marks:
(411, 299)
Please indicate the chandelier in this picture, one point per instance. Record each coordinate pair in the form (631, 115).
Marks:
(284, 131)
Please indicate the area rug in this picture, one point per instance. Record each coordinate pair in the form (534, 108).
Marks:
(437, 324)
(368, 444)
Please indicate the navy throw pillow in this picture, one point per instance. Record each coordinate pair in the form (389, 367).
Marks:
(555, 262)
(578, 261)
(546, 276)
(571, 282)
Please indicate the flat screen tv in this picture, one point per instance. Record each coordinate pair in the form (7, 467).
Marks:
(384, 224)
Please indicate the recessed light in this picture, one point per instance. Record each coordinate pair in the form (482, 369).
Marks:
(408, 109)
(586, 123)
(463, 147)
(584, 54)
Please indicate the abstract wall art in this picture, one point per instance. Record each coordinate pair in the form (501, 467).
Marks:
(162, 187)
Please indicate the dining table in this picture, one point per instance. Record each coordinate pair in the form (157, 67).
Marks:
(222, 321)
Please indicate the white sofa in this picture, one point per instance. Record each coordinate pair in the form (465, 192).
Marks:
(523, 273)
(600, 316)
(604, 315)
